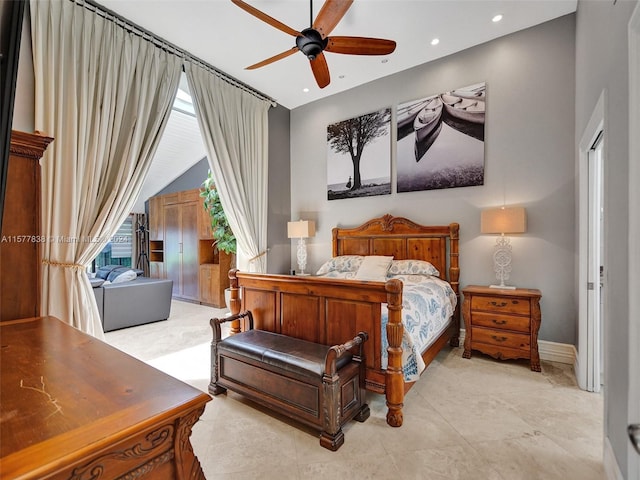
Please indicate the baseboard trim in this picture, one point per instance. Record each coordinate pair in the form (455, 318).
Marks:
(549, 351)
(611, 468)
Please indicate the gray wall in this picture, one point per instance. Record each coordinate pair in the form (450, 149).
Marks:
(529, 161)
(602, 64)
(279, 193)
(190, 179)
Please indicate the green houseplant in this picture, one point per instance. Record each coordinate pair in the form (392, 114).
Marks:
(225, 241)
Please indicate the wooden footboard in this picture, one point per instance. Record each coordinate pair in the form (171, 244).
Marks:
(323, 311)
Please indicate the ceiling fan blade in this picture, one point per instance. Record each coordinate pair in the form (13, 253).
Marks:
(266, 18)
(275, 58)
(330, 14)
(360, 45)
(321, 70)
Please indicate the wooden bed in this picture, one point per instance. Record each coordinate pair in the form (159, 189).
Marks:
(328, 311)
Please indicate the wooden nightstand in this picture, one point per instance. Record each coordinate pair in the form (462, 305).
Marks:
(502, 323)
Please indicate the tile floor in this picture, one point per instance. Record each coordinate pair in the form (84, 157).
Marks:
(465, 419)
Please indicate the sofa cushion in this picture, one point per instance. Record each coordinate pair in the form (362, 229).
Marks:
(103, 272)
(125, 276)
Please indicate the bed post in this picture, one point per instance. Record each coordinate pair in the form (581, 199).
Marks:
(454, 275)
(394, 378)
(235, 300)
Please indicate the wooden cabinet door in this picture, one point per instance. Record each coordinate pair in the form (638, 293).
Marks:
(173, 246)
(156, 219)
(189, 230)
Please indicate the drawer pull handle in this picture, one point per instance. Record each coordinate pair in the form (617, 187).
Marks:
(498, 339)
(501, 304)
(499, 322)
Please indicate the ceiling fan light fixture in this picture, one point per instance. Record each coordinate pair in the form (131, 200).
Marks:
(311, 43)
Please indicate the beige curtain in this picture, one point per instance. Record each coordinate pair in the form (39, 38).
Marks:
(105, 96)
(234, 126)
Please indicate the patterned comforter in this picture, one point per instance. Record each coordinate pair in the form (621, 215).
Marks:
(428, 304)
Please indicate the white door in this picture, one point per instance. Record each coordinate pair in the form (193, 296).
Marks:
(595, 267)
(590, 181)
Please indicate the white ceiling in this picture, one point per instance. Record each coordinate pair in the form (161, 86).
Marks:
(228, 38)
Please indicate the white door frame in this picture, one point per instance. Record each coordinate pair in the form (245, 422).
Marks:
(586, 363)
(595, 334)
(633, 463)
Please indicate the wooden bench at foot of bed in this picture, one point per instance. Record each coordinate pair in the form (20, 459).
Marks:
(320, 386)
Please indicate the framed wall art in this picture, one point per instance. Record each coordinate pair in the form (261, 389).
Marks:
(359, 156)
(440, 140)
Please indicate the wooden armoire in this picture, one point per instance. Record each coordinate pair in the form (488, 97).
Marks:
(181, 248)
(21, 239)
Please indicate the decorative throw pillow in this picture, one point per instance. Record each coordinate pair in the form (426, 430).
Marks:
(342, 263)
(125, 277)
(374, 267)
(412, 267)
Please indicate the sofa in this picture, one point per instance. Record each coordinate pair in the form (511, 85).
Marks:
(132, 300)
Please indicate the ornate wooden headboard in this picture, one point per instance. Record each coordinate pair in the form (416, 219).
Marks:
(404, 239)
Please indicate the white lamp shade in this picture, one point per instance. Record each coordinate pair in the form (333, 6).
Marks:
(503, 220)
(301, 229)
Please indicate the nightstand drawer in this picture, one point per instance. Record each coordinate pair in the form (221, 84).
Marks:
(495, 320)
(500, 304)
(501, 338)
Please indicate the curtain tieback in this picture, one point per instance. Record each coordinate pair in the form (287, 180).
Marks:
(63, 265)
(253, 259)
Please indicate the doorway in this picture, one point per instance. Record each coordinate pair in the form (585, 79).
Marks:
(591, 271)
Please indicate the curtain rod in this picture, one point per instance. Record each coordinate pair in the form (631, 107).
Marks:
(167, 46)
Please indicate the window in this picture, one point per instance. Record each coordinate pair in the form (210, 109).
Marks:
(118, 250)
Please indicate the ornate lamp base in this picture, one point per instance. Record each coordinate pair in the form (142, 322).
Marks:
(302, 257)
(502, 262)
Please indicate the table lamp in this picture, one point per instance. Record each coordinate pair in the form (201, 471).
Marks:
(301, 229)
(503, 220)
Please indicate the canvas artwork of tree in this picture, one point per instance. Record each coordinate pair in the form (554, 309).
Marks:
(359, 156)
(440, 141)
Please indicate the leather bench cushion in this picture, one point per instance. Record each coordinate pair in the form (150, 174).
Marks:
(286, 353)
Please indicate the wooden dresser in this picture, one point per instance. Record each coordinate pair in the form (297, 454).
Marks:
(73, 407)
(21, 241)
(502, 323)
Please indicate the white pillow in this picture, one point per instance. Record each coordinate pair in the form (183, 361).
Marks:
(374, 267)
(343, 263)
(125, 277)
(412, 267)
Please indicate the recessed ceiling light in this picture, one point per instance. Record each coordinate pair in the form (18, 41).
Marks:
(305, 90)
(341, 76)
(435, 41)
(384, 60)
(497, 18)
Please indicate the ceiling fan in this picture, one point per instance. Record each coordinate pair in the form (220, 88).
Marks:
(315, 40)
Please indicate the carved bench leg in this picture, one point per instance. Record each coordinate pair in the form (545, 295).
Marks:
(331, 436)
(363, 414)
(214, 388)
(332, 442)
